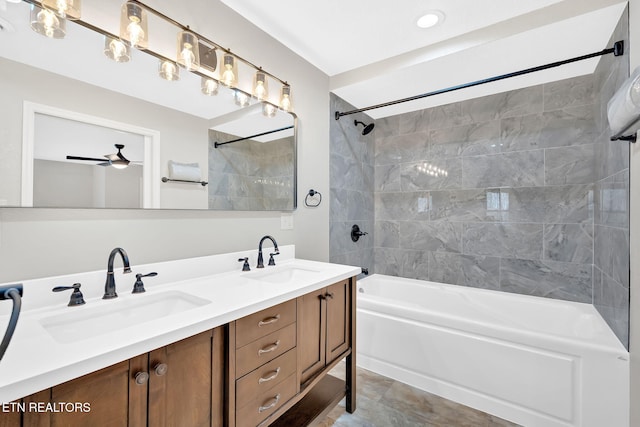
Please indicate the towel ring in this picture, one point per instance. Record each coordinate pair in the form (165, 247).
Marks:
(310, 198)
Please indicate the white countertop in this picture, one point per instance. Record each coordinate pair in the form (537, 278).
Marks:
(36, 360)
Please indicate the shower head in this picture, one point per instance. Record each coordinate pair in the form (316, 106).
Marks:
(367, 128)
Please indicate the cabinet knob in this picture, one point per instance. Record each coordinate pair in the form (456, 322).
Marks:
(141, 378)
(161, 369)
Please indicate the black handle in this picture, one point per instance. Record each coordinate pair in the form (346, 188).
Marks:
(271, 260)
(76, 296)
(245, 266)
(138, 287)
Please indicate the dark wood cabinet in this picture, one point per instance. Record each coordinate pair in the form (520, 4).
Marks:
(324, 333)
(181, 384)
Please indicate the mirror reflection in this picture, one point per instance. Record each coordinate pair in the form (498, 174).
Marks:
(69, 109)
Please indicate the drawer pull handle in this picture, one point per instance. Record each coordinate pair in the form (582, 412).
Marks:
(274, 402)
(269, 348)
(269, 378)
(141, 378)
(161, 369)
(269, 320)
(329, 295)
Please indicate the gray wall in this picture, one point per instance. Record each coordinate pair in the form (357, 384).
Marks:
(351, 181)
(519, 191)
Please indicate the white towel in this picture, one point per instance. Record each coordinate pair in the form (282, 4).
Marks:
(184, 171)
(624, 106)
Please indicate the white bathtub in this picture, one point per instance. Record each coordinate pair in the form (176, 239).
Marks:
(530, 360)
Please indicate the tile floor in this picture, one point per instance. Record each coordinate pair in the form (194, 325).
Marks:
(383, 402)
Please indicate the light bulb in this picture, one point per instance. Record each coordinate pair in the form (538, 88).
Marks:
(229, 74)
(188, 53)
(69, 9)
(269, 110)
(46, 22)
(133, 25)
(209, 86)
(168, 70)
(260, 88)
(241, 99)
(116, 50)
(285, 98)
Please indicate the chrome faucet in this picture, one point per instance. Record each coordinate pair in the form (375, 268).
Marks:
(275, 246)
(110, 284)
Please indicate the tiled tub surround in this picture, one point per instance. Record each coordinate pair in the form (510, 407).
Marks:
(351, 182)
(250, 175)
(501, 192)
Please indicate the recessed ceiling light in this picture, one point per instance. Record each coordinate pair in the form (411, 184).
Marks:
(430, 19)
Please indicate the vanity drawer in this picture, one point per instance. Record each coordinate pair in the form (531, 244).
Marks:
(259, 324)
(265, 377)
(264, 350)
(266, 403)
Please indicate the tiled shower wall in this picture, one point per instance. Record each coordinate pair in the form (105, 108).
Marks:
(351, 188)
(611, 220)
(250, 175)
(520, 191)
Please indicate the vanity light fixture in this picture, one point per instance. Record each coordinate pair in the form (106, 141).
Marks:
(195, 52)
(168, 70)
(285, 98)
(260, 85)
(209, 86)
(69, 9)
(229, 70)
(188, 51)
(45, 22)
(116, 49)
(133, 25)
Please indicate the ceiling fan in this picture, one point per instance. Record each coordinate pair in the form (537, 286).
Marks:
(117, 160)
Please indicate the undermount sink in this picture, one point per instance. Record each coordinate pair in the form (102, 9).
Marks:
(117, 314)
(283, 274)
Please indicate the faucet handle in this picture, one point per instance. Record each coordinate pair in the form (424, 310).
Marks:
(271, 260)
(138, 287)
(245, 266)
(76, 296)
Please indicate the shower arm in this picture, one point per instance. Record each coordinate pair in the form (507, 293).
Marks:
(617, 50)
(13, 292)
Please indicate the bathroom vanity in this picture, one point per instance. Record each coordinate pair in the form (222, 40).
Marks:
(258, 354)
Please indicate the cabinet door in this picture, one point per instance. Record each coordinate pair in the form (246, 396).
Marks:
(311, 334)
(180, 383)
(338, 319)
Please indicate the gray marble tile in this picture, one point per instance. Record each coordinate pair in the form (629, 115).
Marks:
(241, 186)
(431, 235)
(387, 126)
(415, 121)
(402, 206)
(506, 104)
(339, 198)
(521, 169)
(357, 208)
(388, 261)
(618, 321)
(387, 234)
(503, 240)
(218, 184)
(448, 116)
(411, 147)
(570, 165)
(387, 177)
(559, 280)
(468, 140)
(610, 293)
(431, 175)
(613, 157)
(415, 264)
(557, 204)
(611, 252)
(467, 205)
(569, 243)
(569, 92)
(386, 152)
(612, 201)
(572, 126)
(345, 173)
(467, 270)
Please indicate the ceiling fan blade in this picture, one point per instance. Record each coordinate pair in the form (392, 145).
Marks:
(104, 164)
(90, 159)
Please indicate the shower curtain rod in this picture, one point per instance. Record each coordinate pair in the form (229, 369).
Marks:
(217, 144)
(617, 50)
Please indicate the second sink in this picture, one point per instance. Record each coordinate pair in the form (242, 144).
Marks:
(283, 274)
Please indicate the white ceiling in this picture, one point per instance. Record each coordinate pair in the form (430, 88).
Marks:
(374, 52)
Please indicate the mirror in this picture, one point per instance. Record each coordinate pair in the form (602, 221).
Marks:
(65, 98)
